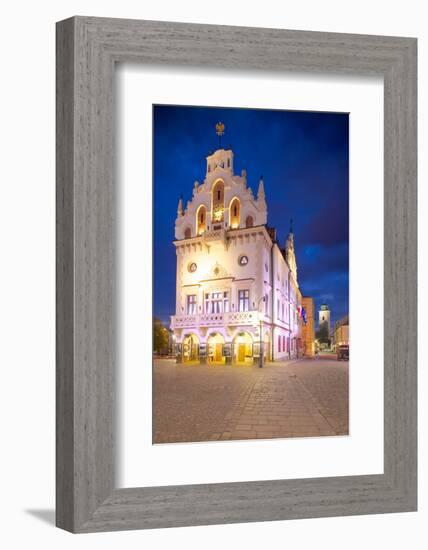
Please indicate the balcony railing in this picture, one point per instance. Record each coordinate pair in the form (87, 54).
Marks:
(242, 318)
(232, 318)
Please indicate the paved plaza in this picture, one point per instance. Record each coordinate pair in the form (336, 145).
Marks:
(301, 398)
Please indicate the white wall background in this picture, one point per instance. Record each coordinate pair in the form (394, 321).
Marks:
(27, 272)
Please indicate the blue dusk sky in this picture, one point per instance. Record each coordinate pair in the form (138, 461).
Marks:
(304, 160)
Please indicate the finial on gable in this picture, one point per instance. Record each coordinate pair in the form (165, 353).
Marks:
(290, 255)
(180, 206)
(290, 238)
(261, 190)
(261, 200)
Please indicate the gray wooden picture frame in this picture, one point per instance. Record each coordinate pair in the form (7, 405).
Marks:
(87, 50)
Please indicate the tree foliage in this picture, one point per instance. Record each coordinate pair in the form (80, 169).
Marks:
(322, 334)
(160, 337)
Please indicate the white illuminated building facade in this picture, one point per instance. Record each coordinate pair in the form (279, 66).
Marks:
(236, 287)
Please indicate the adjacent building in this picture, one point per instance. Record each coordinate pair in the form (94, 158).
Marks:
(237, 292)
(308, 327)
(341, 332)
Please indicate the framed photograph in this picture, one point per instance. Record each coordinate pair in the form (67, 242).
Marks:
(236, 210)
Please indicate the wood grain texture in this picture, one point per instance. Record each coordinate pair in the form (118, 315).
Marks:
(64, 277)
(87, 50)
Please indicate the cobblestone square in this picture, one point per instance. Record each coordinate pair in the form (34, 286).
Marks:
(301, 398)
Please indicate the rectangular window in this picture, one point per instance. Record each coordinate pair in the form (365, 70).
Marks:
(283, 343)
(225, 302)
(191, 304)
(279, 342)
(216, 302)
(278, 312)
(243, 300)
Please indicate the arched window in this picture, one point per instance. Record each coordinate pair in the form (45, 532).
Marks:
(201, 220)
(249, 222)
(187, 233)
(218, 202)
(235, 213)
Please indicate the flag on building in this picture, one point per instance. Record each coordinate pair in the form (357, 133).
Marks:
(302, 313)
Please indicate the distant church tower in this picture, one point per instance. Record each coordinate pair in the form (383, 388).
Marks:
(324, 317)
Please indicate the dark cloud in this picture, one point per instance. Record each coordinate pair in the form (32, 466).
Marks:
(315, 260)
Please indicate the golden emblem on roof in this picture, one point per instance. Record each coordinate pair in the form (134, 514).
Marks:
(219, 128)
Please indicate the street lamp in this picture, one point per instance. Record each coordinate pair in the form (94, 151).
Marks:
(261, 315)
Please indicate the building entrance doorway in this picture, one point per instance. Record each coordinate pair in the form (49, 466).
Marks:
(243, 349)
(215, 348)
(190, 348)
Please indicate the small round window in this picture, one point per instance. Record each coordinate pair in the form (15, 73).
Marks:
(243, 260)
(192, 267)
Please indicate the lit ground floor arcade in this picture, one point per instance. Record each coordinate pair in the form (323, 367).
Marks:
(217, 348)
(242, 347)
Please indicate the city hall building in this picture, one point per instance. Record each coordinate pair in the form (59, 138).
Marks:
(237, 292)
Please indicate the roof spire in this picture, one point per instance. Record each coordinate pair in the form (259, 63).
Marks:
(261, 190)
(180, 206)
(290, 255)
(261, 200)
